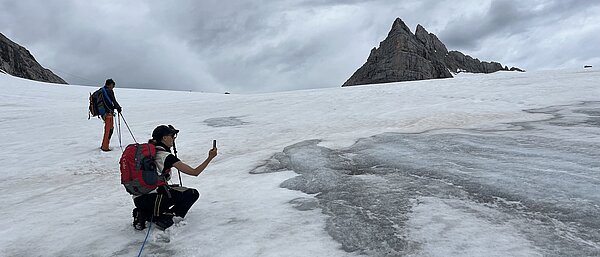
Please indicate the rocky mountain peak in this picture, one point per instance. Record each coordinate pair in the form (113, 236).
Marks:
(420, 32)
(18, 61)
(405, 56)
(399, 27)
(430, 40)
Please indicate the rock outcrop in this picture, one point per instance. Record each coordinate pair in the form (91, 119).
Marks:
(17, 61)
(404, 56)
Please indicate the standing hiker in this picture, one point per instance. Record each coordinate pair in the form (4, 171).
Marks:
(110, 104)
(164, 201)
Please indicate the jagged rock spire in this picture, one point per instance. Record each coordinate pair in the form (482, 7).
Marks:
(405, 56)
(399, 27)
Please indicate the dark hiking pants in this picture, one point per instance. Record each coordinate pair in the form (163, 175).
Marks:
(178, 201)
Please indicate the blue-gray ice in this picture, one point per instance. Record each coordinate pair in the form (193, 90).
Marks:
(545, 174)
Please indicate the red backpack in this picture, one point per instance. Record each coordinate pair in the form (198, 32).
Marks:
(138, 169)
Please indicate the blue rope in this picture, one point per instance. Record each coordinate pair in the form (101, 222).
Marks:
(148, 233)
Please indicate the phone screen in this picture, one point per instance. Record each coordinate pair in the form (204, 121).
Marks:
(214, 143)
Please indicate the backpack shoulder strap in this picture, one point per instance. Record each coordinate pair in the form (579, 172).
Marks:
(106, 97)
(138, 157)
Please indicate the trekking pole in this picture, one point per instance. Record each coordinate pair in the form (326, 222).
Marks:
(119, 131)
(178, 172)
(128, 127)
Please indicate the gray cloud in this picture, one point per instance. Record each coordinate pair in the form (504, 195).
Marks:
(261, 46)
(527, 34)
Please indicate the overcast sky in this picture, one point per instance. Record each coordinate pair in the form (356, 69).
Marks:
(264, 46)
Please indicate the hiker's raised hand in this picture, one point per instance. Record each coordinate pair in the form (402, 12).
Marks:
(212, 153)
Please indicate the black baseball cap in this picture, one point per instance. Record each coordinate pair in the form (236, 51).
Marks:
(163, 130)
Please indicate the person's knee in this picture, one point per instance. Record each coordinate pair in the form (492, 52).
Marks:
(192, 194)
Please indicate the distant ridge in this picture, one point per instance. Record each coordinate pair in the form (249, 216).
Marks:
(18, 61)
(404, 56)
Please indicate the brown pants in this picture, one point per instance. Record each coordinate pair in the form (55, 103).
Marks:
(108, 131)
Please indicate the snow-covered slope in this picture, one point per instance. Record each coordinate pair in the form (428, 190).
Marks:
(61, 195)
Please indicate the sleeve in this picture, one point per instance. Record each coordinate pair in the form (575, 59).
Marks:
(116, 105)
(170, 160)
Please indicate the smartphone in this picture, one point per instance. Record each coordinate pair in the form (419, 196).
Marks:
(214, 144)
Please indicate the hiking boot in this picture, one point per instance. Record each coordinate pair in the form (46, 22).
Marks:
(139, 219)
(164, 221)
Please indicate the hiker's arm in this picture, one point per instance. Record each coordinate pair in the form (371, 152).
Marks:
(181, 166)
(114, 99)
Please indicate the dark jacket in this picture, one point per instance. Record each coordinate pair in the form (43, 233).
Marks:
(111, 103)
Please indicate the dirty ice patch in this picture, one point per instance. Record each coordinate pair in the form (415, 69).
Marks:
(448, 227)
(534, 183)
(225, 122)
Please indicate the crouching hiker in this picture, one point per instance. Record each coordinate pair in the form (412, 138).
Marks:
(145, 172)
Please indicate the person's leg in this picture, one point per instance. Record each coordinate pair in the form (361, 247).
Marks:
(153, 204)
(108, 130)
(183, 199)
(152, 207)
(142, 212)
